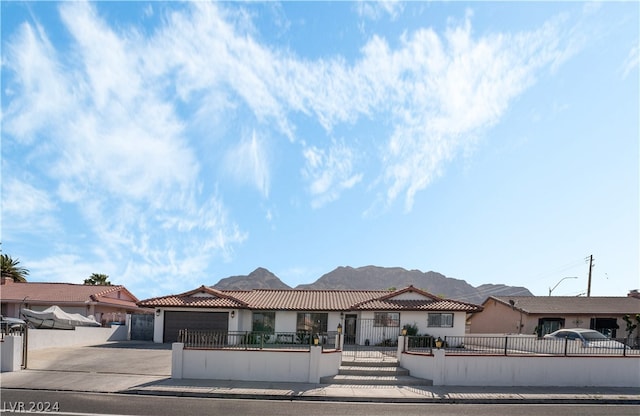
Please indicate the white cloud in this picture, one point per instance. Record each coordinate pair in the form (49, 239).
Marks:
(374, 10)
(440, 91)
(208, 52)
(248, 163)
(329, 172)
(443, 92)
(38, 91)
(117, 152)
(26, 208)
(66, 268)
(632, 62)
(21, 199)
(116, 135)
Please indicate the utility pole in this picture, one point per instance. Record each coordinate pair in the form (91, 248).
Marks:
(589, 281)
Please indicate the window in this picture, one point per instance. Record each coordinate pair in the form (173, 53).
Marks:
(264, 322)
(312, 322)
(548, 325)
(440, 320)
(386, 319)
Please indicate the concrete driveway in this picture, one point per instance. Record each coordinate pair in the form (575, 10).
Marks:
(123, 357)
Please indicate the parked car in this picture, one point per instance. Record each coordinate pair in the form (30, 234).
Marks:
(588, 337)
(11, 325)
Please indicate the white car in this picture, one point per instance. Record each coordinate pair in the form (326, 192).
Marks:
(588, 337)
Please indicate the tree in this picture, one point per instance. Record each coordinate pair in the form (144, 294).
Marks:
(11, 268)
(98, 279)
(630, 325)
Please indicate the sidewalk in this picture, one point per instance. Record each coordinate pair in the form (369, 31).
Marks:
(83, 381)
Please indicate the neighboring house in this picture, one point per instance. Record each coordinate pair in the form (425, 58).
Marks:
(541, 315)
(367, 316)
(105, 303)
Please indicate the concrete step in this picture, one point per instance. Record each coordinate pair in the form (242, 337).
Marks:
(349, 370)
(376, 380)
(372, 363)
(374, 373)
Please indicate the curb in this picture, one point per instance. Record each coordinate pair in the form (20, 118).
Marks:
(353, 399)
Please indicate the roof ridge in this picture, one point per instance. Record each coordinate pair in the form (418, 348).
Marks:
(303, 290)
(108, 289)
(55, 283)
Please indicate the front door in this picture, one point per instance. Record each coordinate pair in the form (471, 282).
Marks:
(350, 326)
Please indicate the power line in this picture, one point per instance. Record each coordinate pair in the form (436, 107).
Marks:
(553, 274)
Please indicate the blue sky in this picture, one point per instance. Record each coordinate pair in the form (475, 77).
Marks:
(170, 145)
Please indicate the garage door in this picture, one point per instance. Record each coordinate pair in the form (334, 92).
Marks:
(175, 321)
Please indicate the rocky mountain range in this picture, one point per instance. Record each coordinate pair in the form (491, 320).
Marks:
(378, 278)
(260, 278)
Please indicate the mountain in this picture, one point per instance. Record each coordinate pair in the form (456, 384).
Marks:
(373, 277)
(378, 278)
(260, 278)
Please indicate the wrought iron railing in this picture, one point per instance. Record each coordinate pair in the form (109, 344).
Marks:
(519, 345)
(249, 340)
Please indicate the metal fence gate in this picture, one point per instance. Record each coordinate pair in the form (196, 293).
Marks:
(142, 326)
(370, 340)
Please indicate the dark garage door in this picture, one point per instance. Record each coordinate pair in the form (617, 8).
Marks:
(175, 321)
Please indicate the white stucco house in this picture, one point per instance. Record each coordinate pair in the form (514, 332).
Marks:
(366, 316)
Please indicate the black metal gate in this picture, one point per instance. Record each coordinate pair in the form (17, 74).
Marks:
(370, 340)
(142, 326)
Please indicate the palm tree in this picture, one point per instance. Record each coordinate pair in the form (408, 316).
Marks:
(11, 269)
(98, 279)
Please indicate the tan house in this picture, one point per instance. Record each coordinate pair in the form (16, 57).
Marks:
(105, 303)
(544, 314)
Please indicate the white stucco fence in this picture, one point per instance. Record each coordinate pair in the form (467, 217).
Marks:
(263, 365)
(459, 370)
(11, 353)
(81, 336)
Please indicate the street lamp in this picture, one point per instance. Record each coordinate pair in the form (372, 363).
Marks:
(564, 278)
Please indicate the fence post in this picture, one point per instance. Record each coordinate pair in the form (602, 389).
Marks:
(566, 345)
(506, 346)
(177, 357)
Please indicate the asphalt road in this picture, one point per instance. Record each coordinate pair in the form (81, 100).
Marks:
(89, 404)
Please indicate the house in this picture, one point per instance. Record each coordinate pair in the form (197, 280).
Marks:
(544, 314)
(106, 303)
(366, 316)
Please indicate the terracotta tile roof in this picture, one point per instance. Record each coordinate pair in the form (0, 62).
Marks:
(418, 305)
(52, 293)
(306, 300)
(202, 297)
(572, 304)
(191, 302)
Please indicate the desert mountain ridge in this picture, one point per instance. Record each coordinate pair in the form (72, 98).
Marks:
(377, 278)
